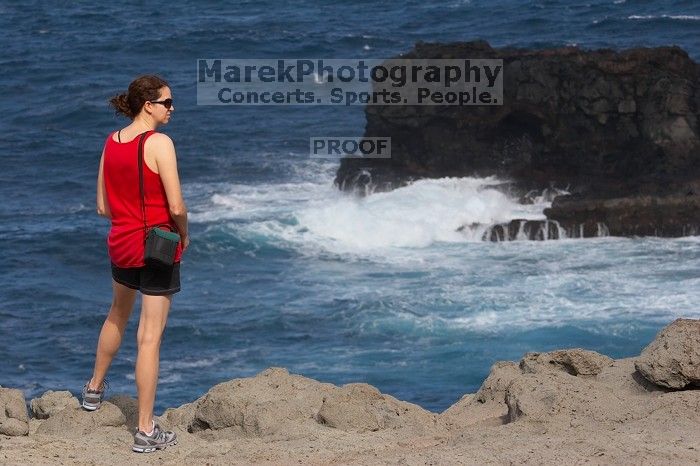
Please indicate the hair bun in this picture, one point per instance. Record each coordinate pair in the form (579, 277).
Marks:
(120, 103)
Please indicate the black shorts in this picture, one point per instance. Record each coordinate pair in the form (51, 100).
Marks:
(148, 279)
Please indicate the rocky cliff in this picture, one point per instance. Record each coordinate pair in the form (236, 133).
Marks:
(619, 130)
(570, 406)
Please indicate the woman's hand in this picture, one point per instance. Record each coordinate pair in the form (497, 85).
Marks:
(185, 242)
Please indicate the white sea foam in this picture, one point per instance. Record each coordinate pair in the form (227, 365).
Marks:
(418, 215)
(686, 17)
(525, 285)
(677, 17)
(169, 378)
(315, 216)
(176, 364)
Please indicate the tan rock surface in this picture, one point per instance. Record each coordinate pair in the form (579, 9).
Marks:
(14, 419)
(130, 409)
(52, 402)
(563, 407)
(672, 360)
(573, 361)
(76, 422)
(359, 407)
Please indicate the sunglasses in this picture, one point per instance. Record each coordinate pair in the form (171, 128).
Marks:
(167, 103)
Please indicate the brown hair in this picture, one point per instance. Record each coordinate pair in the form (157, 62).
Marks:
(141, 89)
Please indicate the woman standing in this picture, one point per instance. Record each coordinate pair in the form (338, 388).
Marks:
(149, 104)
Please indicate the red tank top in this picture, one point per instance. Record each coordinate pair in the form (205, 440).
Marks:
(121, 176)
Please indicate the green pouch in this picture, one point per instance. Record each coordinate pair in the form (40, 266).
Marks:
(161, 246)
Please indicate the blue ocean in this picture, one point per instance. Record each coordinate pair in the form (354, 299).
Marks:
(283, 269)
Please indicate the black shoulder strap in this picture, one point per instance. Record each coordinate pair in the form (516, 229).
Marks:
(142, 139)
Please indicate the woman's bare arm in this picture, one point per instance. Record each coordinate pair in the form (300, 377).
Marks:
(102, 204)
(166, 161)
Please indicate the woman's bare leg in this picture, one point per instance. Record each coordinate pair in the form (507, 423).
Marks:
(154, 315)
(112, 331)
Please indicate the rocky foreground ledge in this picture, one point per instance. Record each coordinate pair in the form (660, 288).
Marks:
(619, 130)
(563, 407)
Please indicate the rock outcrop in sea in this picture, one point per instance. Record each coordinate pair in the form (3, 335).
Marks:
(618, 130)
(559, 407)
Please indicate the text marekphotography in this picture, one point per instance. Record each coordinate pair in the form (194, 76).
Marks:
(349, 82)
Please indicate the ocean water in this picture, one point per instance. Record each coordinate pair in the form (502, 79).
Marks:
(283, 269)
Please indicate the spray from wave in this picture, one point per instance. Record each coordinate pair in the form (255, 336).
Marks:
(315, 215)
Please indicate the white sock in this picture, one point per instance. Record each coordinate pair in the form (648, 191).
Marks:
(152, 430)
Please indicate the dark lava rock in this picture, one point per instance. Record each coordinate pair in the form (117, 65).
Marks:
(620, 129)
